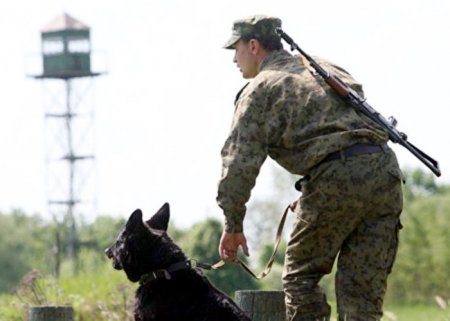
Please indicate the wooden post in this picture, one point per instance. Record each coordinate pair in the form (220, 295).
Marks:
(262, 305)
(51, 313)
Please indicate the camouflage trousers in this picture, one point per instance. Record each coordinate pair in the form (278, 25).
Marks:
(349, 210)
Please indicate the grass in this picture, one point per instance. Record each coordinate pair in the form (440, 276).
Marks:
(104, 296)
(413, 312)
(107, 295)
(416, 312)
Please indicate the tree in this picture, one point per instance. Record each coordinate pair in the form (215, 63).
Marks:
(421, 271)
(420, 183)
(273, 280)
(24, 244)
(95, 237)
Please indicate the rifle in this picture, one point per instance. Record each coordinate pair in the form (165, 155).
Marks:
(360, 104)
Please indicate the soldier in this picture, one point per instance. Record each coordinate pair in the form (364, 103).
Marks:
(351, 197)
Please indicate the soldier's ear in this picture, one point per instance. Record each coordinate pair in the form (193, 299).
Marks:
(160, 221)
(134, 220)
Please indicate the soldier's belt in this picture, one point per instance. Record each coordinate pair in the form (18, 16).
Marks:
(354, 150)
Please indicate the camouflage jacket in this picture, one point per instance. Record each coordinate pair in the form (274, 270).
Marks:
(288, 113)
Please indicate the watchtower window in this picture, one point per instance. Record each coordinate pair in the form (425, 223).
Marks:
(53, 46)
(78, 45)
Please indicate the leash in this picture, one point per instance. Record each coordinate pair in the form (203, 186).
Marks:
(246, 268)
(191, 263)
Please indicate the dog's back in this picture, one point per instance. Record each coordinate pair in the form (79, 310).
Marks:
(187, 296)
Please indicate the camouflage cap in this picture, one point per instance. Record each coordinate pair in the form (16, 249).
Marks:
(257, 27)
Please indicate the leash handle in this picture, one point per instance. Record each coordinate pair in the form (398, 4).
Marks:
(269, 264)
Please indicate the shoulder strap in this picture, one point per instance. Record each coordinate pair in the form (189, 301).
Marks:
(239, 93)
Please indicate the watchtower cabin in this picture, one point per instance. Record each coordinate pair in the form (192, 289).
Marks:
(66, 49)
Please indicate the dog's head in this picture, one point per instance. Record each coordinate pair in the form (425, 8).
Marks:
(140, 245)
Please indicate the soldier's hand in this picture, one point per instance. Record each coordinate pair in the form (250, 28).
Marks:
(229, 245)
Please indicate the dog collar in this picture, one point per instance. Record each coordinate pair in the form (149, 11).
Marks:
(165, 273)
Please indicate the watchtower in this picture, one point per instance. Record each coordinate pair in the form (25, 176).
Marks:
(69, 119)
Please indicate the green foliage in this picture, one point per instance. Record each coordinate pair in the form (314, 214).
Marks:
(266, 253)
(101, 233)
(419, 183)
(24, 244)
(95, 238)
(36, 290)
(415, 312)
(273, 280)
(28, 243)
(103, 295)
(421, 270)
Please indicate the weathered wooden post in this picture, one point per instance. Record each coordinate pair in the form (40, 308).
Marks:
(262, 305)
(51, 313)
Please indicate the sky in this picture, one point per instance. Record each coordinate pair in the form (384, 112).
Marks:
(164, 107)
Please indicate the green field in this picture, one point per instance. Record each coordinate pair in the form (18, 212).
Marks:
(93, 302)
(106, 295)
(414, 312)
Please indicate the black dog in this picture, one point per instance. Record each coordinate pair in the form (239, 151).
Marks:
(170, 288)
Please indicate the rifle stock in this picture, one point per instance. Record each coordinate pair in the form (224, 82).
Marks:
(337, 85)
(360, 104)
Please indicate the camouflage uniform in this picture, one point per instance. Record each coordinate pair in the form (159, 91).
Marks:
(349, 206)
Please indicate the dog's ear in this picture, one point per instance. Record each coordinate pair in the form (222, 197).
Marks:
(134, 220)
(160, 221)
